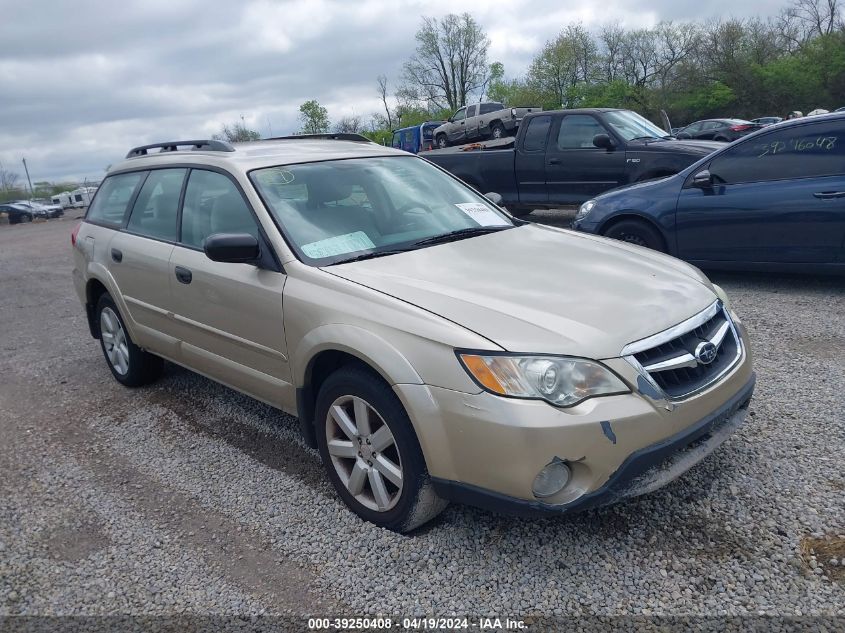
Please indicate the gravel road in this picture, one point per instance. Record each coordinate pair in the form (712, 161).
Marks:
(186, 497)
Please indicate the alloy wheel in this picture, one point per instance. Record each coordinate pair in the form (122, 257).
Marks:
(114, 340)
(364, 453)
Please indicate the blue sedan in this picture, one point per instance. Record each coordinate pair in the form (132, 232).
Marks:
(774, 200)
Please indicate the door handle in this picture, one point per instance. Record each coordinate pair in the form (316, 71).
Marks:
(554, 161)
(462, 122)
(116, 255)
(184, 275)
(827, 195)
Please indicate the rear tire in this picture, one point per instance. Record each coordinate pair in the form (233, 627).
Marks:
(371, 453)
(497, 130)
(129, 364)
(637, 232)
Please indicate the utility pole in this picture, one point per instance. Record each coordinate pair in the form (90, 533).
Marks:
(26, 169)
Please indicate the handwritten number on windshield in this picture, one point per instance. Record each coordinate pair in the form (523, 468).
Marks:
(824, 143)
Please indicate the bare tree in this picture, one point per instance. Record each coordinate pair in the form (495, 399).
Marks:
(8, 179)
(612, 45)
(237, 132)
(349, 124)
(450, 62)
(382, 93)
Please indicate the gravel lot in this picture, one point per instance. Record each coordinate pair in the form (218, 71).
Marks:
(187, 497)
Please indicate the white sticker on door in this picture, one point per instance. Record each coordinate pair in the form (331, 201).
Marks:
(482, 214)
(339, 245)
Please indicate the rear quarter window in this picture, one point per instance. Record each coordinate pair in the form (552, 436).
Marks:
(112, 199)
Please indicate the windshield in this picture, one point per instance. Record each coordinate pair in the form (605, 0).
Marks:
(334, 211)
(630, 125)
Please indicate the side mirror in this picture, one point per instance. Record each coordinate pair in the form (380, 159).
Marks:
(232, 248)
(682, 135)
(494, 197)
(603, 141)
(702, 180)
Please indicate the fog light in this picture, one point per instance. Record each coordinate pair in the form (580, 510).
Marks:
(552, 479)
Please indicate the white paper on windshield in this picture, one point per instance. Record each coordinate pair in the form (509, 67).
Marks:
(481, 213)
(339, 245)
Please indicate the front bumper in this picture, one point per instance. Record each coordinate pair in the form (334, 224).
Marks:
(642, 472)
(486, 450)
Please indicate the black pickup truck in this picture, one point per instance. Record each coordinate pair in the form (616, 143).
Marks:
(565, 157)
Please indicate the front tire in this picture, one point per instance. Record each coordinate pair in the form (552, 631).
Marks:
(372, 456)
(129, 364)
(637, 232)
(442, 143)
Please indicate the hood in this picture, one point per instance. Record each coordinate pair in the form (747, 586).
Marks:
(539, 289)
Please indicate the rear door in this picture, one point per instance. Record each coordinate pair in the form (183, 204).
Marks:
(227, 316)
(472, 121)
(778, 197)
(139, 256)
(577, 170)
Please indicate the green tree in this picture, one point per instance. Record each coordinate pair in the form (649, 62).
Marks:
(314, 118)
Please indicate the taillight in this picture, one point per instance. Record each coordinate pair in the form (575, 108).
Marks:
(73, 234)
(741, 128)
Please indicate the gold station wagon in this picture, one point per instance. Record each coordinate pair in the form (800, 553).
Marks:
(433, 347)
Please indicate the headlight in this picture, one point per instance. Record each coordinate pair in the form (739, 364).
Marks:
(724, 297)
(585, 209)
(559, 380)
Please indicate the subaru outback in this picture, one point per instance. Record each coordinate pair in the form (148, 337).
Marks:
(433, 347)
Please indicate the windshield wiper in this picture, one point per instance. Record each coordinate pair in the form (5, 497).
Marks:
(459, 234)
(371, 255)
(648, 138)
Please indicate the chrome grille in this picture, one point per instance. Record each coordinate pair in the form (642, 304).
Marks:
(676, 360)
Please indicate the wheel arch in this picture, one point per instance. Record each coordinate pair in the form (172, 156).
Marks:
(324, 349)
(607, 224)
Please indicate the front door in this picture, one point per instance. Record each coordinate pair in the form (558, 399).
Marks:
(456, 132)
(779, 197)
(577, 170)
(227, 316)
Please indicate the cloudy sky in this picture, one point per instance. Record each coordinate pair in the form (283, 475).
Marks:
(82, 82)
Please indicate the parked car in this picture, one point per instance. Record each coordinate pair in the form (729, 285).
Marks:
(480, 121)
(16, 213)
(767, 120)
(417, 138)
(568, 156)
(39, 210)
(774, 200)
(840, 109)
(365, 290)
(722, 130)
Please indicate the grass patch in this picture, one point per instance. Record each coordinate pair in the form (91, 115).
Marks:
(824, 550)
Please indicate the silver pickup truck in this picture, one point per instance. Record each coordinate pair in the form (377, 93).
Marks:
(480, 121)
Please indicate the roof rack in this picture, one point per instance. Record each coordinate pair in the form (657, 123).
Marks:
(340, 136)
(173, 146)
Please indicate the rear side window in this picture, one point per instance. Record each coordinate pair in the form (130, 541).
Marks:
(212, 205)
(487, 108)
(536, 133)
(472, 111)
(805, 151)
(155, 210)
(109, 205)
